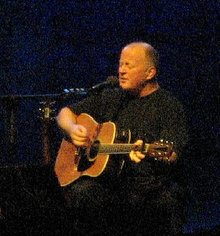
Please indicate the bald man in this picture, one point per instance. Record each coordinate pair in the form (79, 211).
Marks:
(135, 185)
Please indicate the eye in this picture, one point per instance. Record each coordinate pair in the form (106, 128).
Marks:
(130, 66)
(126, 64)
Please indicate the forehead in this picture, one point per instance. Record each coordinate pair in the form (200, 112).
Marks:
(135, 53)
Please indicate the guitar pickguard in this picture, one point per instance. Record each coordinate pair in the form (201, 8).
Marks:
(87, 156)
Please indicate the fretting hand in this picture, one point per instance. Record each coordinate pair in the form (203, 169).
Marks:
(137, 156)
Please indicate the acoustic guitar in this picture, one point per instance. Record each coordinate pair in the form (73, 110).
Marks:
(73, 162)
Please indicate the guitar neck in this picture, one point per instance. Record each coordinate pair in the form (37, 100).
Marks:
(118, 148)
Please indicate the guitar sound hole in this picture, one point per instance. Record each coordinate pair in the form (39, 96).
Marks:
(84, 162)
(94, 150)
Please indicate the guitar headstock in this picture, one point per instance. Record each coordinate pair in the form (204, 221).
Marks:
(160, 149)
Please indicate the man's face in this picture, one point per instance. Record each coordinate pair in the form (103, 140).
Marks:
(132, 68)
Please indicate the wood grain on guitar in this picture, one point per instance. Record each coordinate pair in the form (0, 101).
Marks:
(73, 162)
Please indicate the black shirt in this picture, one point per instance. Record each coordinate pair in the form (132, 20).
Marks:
(153, 117)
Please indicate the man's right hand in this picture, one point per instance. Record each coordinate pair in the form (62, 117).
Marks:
(79, 135)
(67, 121)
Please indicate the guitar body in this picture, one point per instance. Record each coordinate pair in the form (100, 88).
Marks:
(73, 162)
(68, 159)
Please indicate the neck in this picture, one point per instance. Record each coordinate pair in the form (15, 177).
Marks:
(149, 88)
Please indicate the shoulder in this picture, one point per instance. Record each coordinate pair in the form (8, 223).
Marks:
(167, 97)
(166, 94)
(113, 92)
(112, 95)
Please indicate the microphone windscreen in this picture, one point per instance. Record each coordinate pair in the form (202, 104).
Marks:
(112, 80)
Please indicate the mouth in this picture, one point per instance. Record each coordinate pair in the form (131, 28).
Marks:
(122, 80)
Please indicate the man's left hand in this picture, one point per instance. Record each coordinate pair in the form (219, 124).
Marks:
(137, 156)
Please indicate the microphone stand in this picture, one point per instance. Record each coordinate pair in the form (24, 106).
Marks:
(49, 100)
(9, 117)
(47, 117)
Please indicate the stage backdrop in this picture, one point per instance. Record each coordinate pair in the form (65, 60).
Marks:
(47, 46)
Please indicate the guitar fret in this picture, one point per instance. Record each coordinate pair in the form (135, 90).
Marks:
(115, 148)
(118, 148)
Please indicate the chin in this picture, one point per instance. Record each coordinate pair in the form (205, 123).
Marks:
(127, 88)
(124, 86)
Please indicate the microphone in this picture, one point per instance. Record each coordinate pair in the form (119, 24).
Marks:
(111, 82)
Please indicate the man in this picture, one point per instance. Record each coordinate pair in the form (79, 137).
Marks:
(142, 190)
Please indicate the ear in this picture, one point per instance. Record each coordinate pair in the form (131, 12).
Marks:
(151, 73)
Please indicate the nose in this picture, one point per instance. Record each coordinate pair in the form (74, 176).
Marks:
(121, 69)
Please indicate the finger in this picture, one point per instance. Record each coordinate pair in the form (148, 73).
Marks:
(138, 144)
(80, 143)
(81, 131)
(134, 157)
(140, 155)
(79, 138)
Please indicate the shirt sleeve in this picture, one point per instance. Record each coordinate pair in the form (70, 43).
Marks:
(91, 105)
(102, 106)
(174, 126)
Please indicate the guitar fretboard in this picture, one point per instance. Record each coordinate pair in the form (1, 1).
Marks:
(118, 148)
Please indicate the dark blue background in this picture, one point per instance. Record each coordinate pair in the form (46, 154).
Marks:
(47, 46)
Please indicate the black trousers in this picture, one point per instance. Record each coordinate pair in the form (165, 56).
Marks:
(96, 208)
